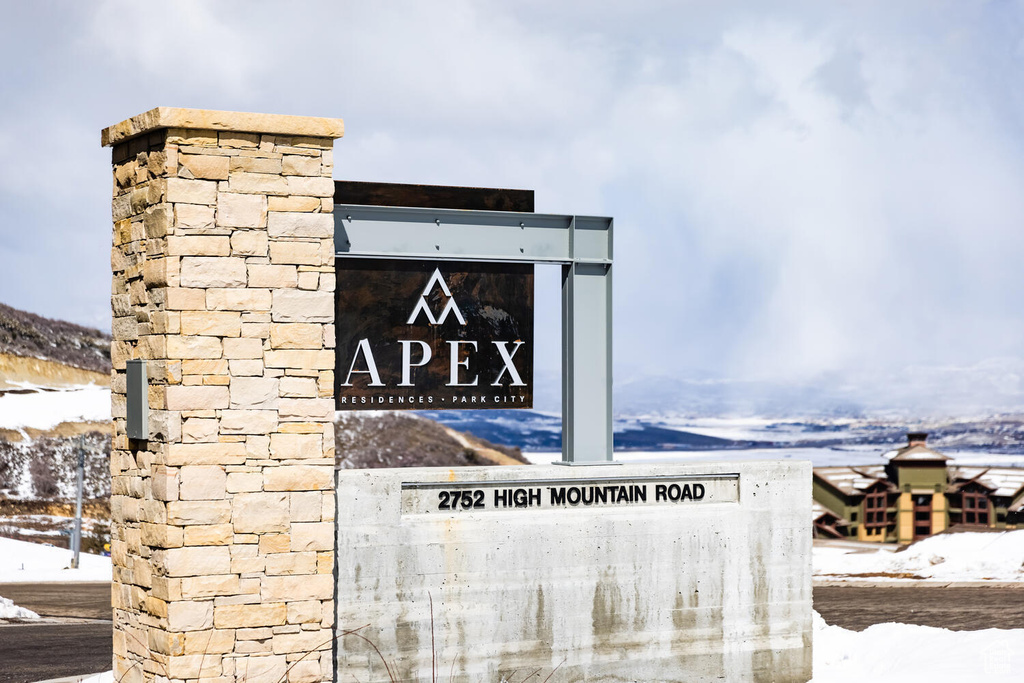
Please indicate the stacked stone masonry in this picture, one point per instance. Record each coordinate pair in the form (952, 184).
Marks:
(223, 548)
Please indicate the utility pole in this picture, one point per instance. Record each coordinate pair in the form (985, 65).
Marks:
(76, 537)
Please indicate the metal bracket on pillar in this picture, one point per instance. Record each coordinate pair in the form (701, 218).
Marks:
(583, 247)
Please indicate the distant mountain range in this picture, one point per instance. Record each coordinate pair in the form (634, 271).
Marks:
(990, 387)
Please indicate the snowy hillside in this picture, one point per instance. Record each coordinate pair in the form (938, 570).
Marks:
(43, 408)
(39, 439)
(992, 440)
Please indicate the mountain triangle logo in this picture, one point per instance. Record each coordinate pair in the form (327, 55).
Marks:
(451, 307)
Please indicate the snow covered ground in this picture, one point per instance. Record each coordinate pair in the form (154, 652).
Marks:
(23, 562)
(46, 409)
(946, 557)
(905, 653)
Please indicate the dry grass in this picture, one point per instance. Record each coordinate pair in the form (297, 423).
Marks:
(33, 336)
(404, 440)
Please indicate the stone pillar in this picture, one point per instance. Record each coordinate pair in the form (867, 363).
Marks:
(223, 281)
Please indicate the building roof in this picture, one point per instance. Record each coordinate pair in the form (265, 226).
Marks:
(852, 480)
(1004, 481)
(818, 511)
(916, 453)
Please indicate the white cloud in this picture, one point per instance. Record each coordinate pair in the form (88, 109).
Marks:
(202, 45)
(801, 190)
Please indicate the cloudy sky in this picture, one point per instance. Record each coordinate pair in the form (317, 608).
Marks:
(824, 194)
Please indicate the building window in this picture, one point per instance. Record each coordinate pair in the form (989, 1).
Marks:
(874, 510)
(922, 516)
(975, 508)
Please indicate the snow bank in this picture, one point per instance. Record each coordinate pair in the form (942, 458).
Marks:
(47, 409)
(906, 653)
(947, 557)
(8, 610)
(23, 562)
(105, 677)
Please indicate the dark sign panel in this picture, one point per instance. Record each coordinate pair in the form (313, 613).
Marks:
(417, 335)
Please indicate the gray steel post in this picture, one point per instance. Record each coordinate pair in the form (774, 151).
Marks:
(76, 537)
(586, 364)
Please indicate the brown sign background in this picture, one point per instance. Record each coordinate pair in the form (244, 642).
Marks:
(374, 300)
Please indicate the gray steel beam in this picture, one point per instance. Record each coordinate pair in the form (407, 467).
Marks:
(398, 232)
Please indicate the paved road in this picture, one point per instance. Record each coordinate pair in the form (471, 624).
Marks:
(42, 651)
(34, 652)
(77, 646)
(61, 600)
(958, 609)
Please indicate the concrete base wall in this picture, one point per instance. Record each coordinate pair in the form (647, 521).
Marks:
(691, 590)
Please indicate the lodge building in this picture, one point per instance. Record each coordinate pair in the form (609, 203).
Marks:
(918, 493)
